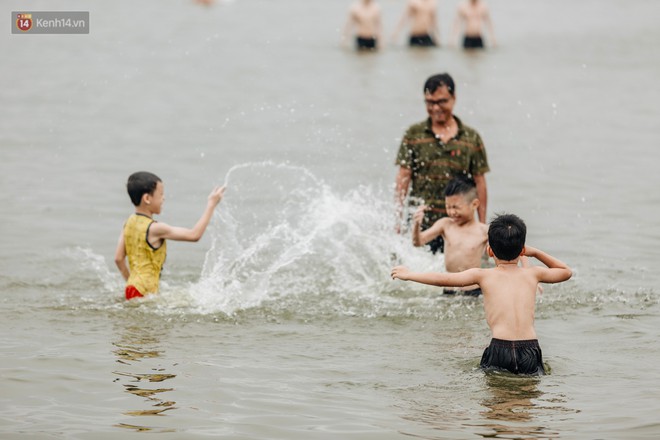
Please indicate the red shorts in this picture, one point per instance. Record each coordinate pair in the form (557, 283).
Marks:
(132, 292)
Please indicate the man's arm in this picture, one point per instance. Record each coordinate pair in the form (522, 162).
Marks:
(482, 195)
(160, 231)
(456, 279)
(402, 22)
(348, 27)
(435, 29)
(556, 272)
(120, 257)
(489, 26)
(402, 184)
(456, 28)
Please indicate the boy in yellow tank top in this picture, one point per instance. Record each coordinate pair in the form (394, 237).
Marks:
(143, 239)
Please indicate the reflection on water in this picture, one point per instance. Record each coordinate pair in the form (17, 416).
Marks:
(135, 345)
(513, 401)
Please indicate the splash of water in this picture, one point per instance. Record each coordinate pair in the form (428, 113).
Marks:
(286, 234)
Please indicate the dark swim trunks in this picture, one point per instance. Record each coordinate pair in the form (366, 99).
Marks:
(473, 42)
(422, 41)
(517, 357)
(473, 292)
(131, 292)
(437, 245)
(362, 43)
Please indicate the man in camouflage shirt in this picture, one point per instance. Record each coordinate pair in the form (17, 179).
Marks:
(436, 150)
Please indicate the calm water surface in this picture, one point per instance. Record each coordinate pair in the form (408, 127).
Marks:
(282, 322)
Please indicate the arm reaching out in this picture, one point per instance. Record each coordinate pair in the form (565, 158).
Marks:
(458, 279)
(419, 237)
(161, 231)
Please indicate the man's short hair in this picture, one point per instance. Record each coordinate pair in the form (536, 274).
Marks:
(436, 81)
(506, 236)
(461, 185)
(141, 183)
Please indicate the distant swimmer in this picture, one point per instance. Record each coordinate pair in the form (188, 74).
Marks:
(365, 17)
(509, 292)
(422, 15)
(464, 237)
(473, 15)
(142, 239)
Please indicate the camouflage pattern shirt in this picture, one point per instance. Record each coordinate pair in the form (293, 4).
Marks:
(434, 163)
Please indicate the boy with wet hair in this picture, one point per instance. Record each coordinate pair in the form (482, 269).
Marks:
(464, 237)
(142, 239)
(509, 295)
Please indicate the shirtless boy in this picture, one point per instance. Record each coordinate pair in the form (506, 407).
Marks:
(422, 15)
(473, 15)
(365, 16)
(465, 238)
(509, 295)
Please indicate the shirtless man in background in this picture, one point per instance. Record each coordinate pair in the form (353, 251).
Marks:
(422, 15)
(365, 17)
(473, 15)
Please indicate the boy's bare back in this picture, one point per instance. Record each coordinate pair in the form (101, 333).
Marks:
(509, 291)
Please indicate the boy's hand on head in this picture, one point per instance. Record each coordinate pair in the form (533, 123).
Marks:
(400, 272)
(217, 194)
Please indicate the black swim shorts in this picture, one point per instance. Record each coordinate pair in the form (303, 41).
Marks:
(362, 43)
(473, 292)
(473, 42)
(517, 357)
(422, 41)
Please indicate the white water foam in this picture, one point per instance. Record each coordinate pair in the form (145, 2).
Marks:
(305, 240)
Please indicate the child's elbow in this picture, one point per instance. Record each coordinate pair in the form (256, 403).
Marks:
(195, 237)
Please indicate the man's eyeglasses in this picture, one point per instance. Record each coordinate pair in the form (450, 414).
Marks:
(439, 102)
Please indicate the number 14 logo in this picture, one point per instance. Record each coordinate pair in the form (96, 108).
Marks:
(24, 22)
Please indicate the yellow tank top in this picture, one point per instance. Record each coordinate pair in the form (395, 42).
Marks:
(144, 262)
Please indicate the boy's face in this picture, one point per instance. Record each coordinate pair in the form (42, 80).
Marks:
(155, 200)
(460, 209)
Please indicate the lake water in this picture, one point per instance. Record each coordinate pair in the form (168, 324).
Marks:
(282, 322)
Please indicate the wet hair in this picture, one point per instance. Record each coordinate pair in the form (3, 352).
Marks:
(461, 185)
(141, 183)
(506, 236)
(436, 81)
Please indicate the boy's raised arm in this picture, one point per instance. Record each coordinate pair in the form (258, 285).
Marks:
(419, 237)
(556, 272)
(160, 231)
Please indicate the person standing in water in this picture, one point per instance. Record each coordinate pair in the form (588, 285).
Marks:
(143, 240)
(436, 150)
(509, 291)
(422, 15)
(365, 17)
(473, 16)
